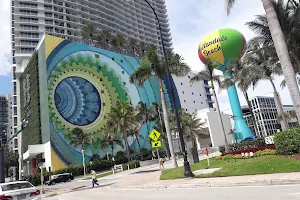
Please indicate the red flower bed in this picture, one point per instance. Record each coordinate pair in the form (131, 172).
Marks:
(251, 150)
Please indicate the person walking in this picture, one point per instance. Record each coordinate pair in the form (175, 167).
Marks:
(94, 178)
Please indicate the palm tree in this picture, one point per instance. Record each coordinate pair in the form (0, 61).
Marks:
(121, 42)
(104, 39)
(110, 140)
(281, 49)
(240, 75)
(89, 34)
(262, 61)
(208, 74)
(290, 26)
(132, 46)
(153, 65)
(122, 118)
(79, 139)
(143, 114)
(191, 126)
(142, 46)
(136, 133)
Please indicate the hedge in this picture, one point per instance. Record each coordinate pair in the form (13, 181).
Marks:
(132, 164)
(75, 170)
(288, 142)
(258, 142)
(260, 153)
(253, 150)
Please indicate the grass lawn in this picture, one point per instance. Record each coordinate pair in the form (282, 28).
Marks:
(100, 175)
(259, 165)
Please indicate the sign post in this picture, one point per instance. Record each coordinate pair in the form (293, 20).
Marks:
(155, 135)
(206, 151)
(42, 179)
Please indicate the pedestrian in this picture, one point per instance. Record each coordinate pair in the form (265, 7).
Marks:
(94, 178)
(161, 162)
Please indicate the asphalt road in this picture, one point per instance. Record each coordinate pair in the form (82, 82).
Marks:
(291, 192)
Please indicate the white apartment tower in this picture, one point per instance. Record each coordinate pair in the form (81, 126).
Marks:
(31, 19)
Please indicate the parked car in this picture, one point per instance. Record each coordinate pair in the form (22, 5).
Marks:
(19, 190)
(59, 178)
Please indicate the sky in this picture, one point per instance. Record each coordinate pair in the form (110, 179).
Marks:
(190, 21)
(194, 19)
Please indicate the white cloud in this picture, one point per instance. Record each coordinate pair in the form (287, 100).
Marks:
(5, 38)
(192, 20)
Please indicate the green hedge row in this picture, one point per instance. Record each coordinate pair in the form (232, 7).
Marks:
(75, 170)
(244, 145)
(288, 142)
(265, 152)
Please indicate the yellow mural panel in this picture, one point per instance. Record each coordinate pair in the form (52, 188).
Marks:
(57, 163)
(51, 42)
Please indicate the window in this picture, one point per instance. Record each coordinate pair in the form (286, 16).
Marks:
(184, 101)
(15, 111)
(181, 83)
(192, 93)
(15, 100)
(16, 143)
(182, 92)
(194, 101)
(15, 121)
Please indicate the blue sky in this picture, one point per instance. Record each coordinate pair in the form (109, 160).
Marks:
(190, 21)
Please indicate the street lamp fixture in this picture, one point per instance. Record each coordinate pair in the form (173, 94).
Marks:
(187, 169)
(83, 163)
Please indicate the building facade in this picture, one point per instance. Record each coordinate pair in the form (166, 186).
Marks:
(266, 116)
(193, 97)
(6, 121)
(31, 19)
(68, 85)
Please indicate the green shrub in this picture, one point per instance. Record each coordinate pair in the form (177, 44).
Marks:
(75, 170)
(237, 156)
(132, 164)
(288, 142)
(265, 152)
(227, 157)
(258, 142)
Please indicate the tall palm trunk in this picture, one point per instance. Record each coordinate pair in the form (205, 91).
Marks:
(251, 112)
(164, 140)
(112, 150)
(279, 107)
(126, 144)
(137, 139)
(283, 54)
(220, 117)
(167, 122)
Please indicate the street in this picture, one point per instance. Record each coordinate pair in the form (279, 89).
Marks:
(232, 193)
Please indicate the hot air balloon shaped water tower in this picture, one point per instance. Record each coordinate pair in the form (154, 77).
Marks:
(220, 47)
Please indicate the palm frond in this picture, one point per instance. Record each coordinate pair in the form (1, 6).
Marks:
(141, 74)
(200, 76)
(228, 5)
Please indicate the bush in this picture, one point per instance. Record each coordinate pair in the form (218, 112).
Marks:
(75, 170)
(288, 142)
(132, 164)
(260, 153)
(253, 150)
(265, 152)
(258, 142)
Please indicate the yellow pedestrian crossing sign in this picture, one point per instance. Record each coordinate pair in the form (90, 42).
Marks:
(154, 135)
(156, 144)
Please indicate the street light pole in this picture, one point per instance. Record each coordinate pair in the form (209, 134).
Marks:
(187, 169)
(2, 172)
(83, 162)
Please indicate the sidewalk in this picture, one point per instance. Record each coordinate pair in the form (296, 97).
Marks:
(151, 181)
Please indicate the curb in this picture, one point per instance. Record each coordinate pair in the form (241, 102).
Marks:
(215, 184)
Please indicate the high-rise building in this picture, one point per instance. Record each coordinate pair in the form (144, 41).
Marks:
(266, 116)
(6, 121)
(31, 19)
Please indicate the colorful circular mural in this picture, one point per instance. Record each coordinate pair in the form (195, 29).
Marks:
(77, 101)
(84, 83)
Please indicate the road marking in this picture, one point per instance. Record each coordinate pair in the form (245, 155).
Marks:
(294, 194)
(130, 189)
